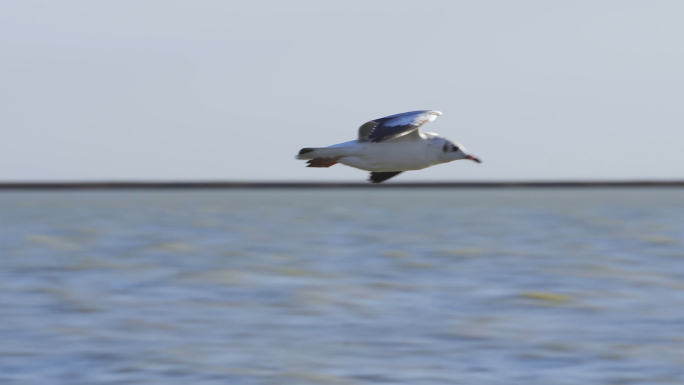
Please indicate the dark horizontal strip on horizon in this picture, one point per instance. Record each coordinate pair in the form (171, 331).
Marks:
(325, 185)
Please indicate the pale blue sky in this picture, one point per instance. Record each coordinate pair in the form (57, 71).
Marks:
(221, 90)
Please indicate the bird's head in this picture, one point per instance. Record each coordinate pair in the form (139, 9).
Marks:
(455, 151)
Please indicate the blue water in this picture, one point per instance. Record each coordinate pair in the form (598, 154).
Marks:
(445, 286)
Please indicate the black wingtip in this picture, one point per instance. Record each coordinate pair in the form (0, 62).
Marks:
(378, 177)
(305, 151)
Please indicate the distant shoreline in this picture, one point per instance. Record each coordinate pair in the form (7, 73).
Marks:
(171, 185)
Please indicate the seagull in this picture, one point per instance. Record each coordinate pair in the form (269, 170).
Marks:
(389, 146)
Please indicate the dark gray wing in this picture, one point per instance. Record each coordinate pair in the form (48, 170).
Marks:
(377, 177)
(394, 126)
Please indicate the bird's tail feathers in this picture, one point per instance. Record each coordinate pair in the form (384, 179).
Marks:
(323, 152)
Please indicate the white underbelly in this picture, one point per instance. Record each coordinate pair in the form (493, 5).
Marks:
(401, 156)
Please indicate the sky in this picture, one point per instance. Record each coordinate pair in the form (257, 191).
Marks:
(231, 90)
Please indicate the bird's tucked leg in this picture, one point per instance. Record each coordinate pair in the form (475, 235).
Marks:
(323, 162)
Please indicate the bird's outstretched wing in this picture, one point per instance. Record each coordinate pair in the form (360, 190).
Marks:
(394, 126)
(377, 177)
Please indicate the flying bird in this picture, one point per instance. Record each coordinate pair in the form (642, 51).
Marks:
(389, 146)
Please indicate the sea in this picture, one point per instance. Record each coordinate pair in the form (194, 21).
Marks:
(325, 286)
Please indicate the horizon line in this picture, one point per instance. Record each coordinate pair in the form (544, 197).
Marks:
(182, 185)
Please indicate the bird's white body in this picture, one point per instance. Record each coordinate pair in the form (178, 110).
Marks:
(390, 145)
(406, 153)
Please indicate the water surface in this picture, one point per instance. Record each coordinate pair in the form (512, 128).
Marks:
(442, 286)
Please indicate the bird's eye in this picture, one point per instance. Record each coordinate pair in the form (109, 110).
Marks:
(454, 148)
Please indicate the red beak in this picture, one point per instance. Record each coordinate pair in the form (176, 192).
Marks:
(474, 159)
